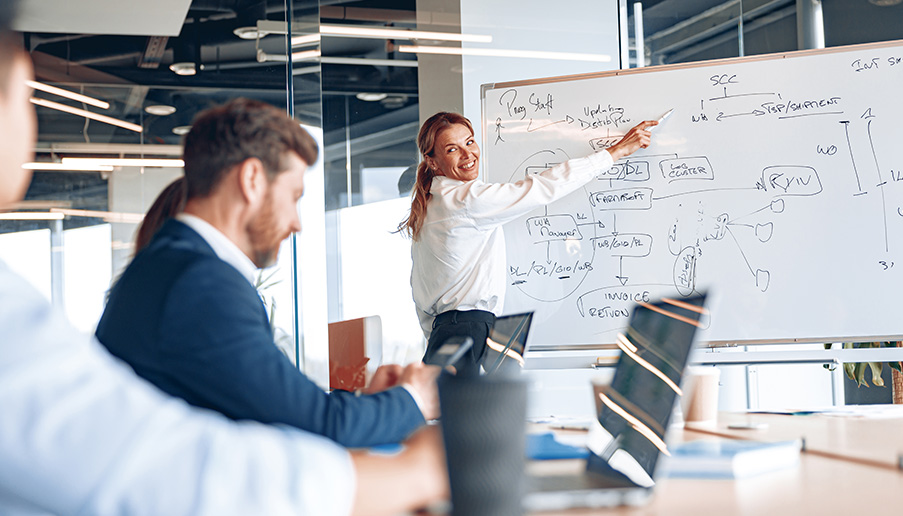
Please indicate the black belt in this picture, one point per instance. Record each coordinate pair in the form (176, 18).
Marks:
(463, 316)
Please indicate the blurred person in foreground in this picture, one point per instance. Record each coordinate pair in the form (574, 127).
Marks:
(80, 433)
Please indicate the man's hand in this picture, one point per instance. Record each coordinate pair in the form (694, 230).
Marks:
(422, 378)
(636, 138)
(415, 478)
(385, 377)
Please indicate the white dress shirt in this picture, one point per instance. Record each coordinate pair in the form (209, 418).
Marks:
(459, 256)
(80, 433)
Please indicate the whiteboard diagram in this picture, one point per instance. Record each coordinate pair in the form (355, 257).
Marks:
(776, 186)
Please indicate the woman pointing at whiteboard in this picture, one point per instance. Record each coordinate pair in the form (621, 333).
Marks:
(458, 249)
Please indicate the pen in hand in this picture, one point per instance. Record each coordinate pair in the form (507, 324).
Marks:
(663, 117)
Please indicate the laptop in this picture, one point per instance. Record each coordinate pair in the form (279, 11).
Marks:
(628, 438)
(506, 344)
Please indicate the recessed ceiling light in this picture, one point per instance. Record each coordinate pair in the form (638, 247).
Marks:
(370, 96)
(394, 101)
(181, 130)
(249, 32)
(160, 109)
(885, 3)
(183, 68)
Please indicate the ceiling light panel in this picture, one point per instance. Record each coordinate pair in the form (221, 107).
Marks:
(70, 167)
(380, 33)
(31, 215)
(498, 52)
(127, 162)
(87, 114)
(60, 92)
(308, 39)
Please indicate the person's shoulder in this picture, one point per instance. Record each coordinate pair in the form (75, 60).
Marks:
(178, 255)
(456, 189)
(175, 243)
(176, 237)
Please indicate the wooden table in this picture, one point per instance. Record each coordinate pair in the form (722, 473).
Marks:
(871, 441)
(849, 467)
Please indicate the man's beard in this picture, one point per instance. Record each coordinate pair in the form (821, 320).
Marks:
(265, 238)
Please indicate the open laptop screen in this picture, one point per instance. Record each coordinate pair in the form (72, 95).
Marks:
(506, 344)
(636, 407)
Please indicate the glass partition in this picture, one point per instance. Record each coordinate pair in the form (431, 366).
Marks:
(113, 99)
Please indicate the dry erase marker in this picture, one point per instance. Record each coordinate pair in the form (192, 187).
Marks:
(666, 115)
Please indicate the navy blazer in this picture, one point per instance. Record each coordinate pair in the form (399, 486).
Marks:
(194, 326)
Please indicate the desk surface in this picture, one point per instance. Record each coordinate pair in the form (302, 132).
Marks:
(822, 484)
(875, 441)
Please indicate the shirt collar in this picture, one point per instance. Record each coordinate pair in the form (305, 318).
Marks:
(224, 248)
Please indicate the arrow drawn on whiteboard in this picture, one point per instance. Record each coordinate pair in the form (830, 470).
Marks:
(567, 119)
(669, 196)
(880, 184)
(846, 129)
(621, 277)
(755, 112)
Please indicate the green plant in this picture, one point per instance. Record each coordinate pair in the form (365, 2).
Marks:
(856, 370)
(265, 280)
(281, 338)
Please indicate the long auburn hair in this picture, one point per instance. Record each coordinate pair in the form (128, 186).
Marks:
(426, 140)
(167, 205)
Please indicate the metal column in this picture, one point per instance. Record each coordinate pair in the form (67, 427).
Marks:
(640, 44)
(623, 35)
(810, 24)
(56, 263)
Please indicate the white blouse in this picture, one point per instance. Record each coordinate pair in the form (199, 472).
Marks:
(459, 255)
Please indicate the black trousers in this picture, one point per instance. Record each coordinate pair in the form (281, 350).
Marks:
(475, 324)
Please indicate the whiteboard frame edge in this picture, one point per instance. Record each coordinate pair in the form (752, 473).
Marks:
(679, 66)
(545, 348)
(483, 127)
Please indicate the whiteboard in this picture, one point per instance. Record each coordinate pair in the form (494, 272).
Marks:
(776, 185)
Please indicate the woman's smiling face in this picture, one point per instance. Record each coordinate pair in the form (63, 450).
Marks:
(456, 154)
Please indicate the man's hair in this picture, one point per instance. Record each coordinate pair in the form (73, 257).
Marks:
(223, 137)
(9, 41)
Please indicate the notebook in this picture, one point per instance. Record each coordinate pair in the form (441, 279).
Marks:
(506, 344)
(628, 438)
(731, 458)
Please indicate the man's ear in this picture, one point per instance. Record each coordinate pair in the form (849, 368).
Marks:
(252, 180)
